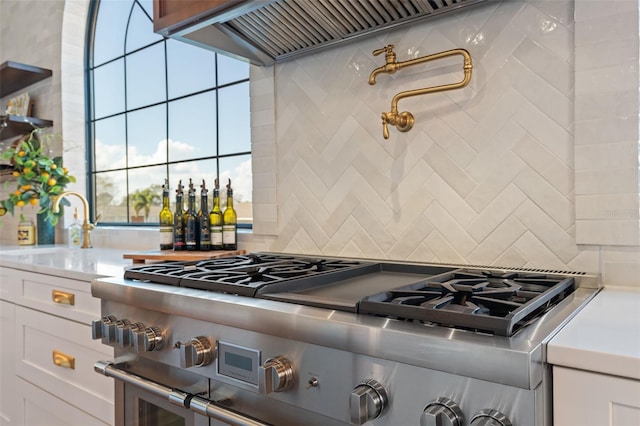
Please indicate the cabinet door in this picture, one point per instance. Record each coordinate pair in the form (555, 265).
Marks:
(58, 355)
(7, 364)
(591, 399)
(171, 14)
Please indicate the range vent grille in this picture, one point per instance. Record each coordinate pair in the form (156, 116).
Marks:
(284, 28)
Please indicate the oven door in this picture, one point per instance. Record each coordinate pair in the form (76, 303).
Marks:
(142, 408)
(144, 402)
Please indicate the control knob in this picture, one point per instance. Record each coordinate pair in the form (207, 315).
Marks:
(368, 401)
(275, 375)
(147, 340)
(195, 353)
(442, 412)
(488, 417)
(125, 333)
(100, 329)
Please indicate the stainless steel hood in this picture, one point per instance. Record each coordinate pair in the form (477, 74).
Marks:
(267, 31)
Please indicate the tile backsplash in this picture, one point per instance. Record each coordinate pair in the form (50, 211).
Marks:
(487, 174)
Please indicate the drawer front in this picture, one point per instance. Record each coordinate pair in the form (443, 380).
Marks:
(58, 356)
(63, 297)
(8, 285)
(38, 407)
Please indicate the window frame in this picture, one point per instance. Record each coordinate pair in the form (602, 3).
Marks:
(90, 67)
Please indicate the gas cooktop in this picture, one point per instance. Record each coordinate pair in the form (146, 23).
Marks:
(494, 301)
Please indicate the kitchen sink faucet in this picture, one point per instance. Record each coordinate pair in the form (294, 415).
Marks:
(86, 225)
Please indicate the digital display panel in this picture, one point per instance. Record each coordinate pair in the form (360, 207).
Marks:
(238, 361)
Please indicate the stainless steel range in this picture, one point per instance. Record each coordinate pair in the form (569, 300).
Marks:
(291, 340)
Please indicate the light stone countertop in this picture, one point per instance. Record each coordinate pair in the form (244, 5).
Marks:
(62, 261)
(604, 337)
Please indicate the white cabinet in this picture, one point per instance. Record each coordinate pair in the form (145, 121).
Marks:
(596, 363)
(7, 364)
(47, 374)
(592, 399)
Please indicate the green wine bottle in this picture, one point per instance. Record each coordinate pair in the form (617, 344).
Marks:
(215, 217)
(229, 223)
(166, 220)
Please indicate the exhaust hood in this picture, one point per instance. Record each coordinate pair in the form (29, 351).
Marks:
(267, 31)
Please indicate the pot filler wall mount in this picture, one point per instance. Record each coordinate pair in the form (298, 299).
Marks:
(404, 121)
(282, 339)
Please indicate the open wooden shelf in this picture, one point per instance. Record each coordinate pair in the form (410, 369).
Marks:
(18, 125)
(15, 76)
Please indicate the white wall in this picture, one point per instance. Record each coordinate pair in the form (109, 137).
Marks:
(485, 177)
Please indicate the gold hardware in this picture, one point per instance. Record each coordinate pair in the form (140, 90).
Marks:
(86, 226)
(63, 297)
(390, 67)
(63, 360)
(404, 120)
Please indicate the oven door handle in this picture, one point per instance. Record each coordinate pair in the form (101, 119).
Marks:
(182, 399)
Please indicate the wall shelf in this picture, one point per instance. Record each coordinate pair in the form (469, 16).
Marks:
(15, 76)
(18, 125)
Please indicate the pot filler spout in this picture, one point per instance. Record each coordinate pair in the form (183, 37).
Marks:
(404, 121)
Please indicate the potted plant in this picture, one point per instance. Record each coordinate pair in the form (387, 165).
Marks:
(39, 176)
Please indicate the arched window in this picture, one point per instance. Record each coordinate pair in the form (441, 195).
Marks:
(160, 108)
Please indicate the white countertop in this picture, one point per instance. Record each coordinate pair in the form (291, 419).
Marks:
(62, 261)
(604, 337)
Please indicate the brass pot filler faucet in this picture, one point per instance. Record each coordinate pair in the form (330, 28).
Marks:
(404, 121)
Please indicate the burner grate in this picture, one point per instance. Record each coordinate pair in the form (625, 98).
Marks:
(496, 303)
(242, 274)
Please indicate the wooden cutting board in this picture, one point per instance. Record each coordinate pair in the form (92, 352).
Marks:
(169, 255)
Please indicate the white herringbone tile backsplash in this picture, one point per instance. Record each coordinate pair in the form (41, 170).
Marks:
(486, 176)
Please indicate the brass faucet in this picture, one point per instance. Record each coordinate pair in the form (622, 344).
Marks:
(86, 226)
(404, 121)
(391, 65)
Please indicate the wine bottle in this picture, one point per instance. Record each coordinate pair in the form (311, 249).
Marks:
(215, 217)
(166, 220)
(178, 221)
(191, 220)
(204, 223)
(229, 223)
